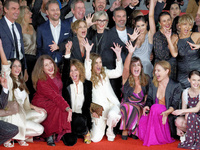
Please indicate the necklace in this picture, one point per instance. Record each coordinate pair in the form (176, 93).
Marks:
(98, 42)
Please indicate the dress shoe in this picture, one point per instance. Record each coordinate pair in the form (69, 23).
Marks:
(124, 137)
(134, 137)
(50, 141)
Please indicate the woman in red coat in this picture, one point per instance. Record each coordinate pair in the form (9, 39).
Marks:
(47, 82)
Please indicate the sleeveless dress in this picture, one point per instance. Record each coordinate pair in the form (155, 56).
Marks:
(151, 129)
(131, 109)
(187, 60)
(193, 126)
(144, 53)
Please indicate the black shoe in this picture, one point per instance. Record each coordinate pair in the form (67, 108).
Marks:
(124, 137)
(134, 137)
(50, 141)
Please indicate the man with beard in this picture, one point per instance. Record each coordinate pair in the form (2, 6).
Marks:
(53, 32)
(117, 34)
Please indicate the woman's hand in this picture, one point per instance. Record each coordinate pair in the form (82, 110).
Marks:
(88, 20)
(135, 34)
(177, 112)
(53, 47)
(117, 49)
(179, 132)
(194, 46)
(4, 81)
(164, 117)
(87, 45)
(69, 118)
(95, 115)
(68, 47)
(38, 109)
(130, 47)
(146, 109)
(167, 33)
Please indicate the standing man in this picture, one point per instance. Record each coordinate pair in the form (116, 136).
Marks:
(53, 32)
(11, 34)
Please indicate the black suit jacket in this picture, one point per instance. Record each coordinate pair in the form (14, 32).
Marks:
(87, 87)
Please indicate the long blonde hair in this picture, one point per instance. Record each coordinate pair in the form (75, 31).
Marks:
(143, 77)
(38, 71)
(20, 18)
(79, 66)
(94, 77)
(166, 65)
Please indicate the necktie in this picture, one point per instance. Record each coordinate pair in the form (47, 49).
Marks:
(15, 40)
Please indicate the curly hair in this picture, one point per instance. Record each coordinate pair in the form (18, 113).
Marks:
(94, 77)
(143, 77)
(79, 66)
(38, 70)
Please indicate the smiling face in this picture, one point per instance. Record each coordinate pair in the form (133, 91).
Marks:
(48, 67)
(174, 10)
(74, 74)
(194, 81)
(141, 26)
(97, 66)
(185, 28)
(120, 19)
(81, 30)
(136, 68)
(12, 12)
(16, 68)
(53, 12)
(165, 22)
(99, 5)
(79, 10)
(101, 23)
(27, 16)
(161, 73)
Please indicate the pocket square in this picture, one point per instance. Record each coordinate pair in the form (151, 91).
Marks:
(66, 33)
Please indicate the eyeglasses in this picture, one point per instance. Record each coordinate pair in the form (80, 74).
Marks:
(102, 21)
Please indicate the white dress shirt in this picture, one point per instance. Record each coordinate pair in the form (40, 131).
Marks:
(123, 35)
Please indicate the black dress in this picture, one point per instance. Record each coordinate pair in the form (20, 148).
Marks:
(187, 60)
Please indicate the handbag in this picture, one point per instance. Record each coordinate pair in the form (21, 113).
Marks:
(98, 109)
(11, 108)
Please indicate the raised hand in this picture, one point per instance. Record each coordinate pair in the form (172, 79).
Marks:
(117, 49)
(130, 47)
(53, 47)
(4, 81)
(68, 47)
(194, 46)
(167, 33)
(115, 5)
(87, 45)
(134, 3)
(88, 20)
(135, 34)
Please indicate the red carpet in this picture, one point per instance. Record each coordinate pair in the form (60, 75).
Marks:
(118, 144)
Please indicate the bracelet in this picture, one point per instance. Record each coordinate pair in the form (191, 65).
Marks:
(67, 108)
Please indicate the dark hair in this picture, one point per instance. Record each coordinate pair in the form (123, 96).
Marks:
(50, 2)
(131, 19)
(177, 4)
(197, 1)
(146, 2)
(140, 18)
(163, 14)
(193, 72)
(20, 79)
(118, 9)
(74, 2)
(6, 3)
(174, 25)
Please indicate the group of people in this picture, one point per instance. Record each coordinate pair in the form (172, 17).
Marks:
(87, 75)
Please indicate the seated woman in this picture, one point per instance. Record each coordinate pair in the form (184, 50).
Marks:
(102, 93)
(163, 98)
(191, 109)
(47, 82)
(79, 28)
(29, 117)
(135, 88)
(78, 93)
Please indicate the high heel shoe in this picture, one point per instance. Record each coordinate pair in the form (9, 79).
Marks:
(23, 143)
(9, 144)
(87, 138)
(124, 137)
(50, 141)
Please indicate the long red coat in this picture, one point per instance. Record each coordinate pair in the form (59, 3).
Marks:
(48, 96)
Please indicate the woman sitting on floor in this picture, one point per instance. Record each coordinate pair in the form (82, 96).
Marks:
(78, 93)
(135, 88)
(163, 98)
(29, 117)
(102, 92)
(191, 122)
(47, 82)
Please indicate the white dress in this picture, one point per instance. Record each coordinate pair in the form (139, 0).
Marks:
(27, 120)
(104, 95)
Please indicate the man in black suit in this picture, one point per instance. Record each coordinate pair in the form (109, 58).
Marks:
(11, 34)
